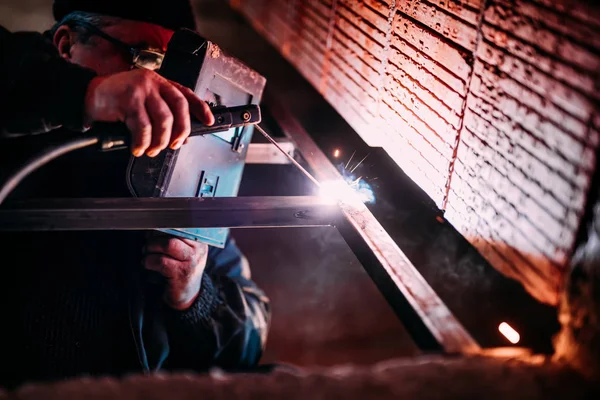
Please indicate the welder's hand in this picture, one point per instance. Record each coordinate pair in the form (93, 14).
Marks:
(156, 110)
(182, 262)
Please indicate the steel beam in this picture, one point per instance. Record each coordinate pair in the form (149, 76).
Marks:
(425, 316)
(164, 213)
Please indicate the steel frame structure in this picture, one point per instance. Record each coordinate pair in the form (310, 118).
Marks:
(428, 320)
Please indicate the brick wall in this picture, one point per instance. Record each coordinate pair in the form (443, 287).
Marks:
(491, 106)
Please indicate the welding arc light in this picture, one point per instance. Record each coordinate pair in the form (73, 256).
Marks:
(508, 332)
(336, 153)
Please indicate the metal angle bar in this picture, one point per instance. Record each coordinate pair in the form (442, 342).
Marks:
(425, 316)
(163, 213)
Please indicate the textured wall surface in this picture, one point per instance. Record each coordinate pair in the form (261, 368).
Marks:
(491, 106)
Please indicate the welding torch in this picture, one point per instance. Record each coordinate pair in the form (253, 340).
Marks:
(113, 136)
(116, 136)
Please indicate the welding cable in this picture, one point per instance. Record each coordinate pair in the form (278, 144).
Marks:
(41, 159)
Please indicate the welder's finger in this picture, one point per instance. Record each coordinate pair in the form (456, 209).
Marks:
(164, 265)
(162, 124)
(181, 114)
(139, 125)
(198, 108)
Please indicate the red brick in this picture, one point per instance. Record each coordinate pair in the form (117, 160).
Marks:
(359, 43)
(322, 7)
(506, 16)
(401, 51)
(466, 10)
(307, 48)
(397, 124)
(360, 121)
(431, 44)
(406, 112)
(364, 18)
(429, 86)
(303, 24)
(529, 76)
(512, 226)
(584, 11)
(357, 62)
(542, 139)
(538, 198)
(560, 70)
(445, 23)
(343, 87)
(420, 114)
(497, 88)
(352, 85)
(382, 7)
(306, 66)
(321, 21)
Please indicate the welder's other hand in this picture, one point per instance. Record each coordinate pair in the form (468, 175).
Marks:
(156, 110)
(182, 262)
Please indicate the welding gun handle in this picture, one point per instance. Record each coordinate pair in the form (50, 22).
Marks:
(116, 136)
(227, 118)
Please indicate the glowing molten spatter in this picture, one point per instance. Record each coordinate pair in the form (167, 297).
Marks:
(508, 331)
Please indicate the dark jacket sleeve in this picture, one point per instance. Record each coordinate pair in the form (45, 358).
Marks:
(39, 90)
(227, 325)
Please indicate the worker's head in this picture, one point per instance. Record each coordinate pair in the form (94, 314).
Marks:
(111, 36)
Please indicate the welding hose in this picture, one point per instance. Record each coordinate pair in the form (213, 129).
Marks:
(42, 159)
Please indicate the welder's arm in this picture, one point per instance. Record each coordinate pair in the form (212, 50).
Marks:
(228, 323)
(39, 91)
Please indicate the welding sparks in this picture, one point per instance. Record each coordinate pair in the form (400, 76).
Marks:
(349, 190)
(350, 159)
(336, 153)
(338, 190)
(508, 332)
(357, 165)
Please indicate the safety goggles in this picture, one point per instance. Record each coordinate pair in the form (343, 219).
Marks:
(141, 57)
